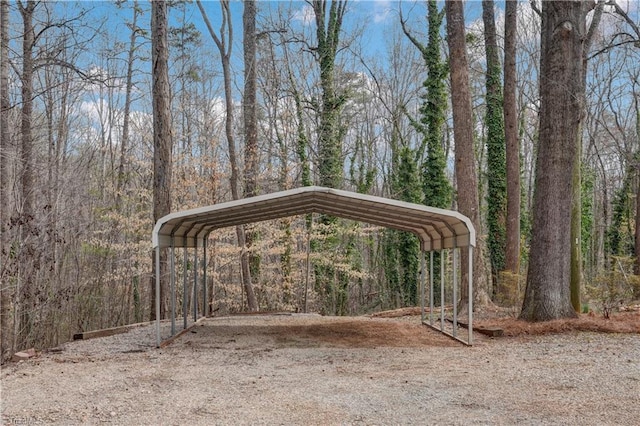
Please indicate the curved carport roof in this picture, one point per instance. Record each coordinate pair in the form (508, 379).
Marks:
(437, 228)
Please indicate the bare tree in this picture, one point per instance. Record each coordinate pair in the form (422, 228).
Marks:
(124, 140)
(249, 99)
(25, 210)
(6, 327)
(224, 43)
(249, 106)
(510, 111)
(26, 146)
(162, 137)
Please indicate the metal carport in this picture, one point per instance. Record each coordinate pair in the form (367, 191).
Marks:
(437, 229)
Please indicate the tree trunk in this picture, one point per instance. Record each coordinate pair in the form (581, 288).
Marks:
(26, 147)
(576, 176)
(436, 187)
(249, 100)
(4, 115)
(547, 294)
(162, 135)
(224, 46)
(636, 267)
(25, 258)
(496, 160)
(329, 135)
(250, 122)
(465, 166)
(512, 248)
(6, 321)
(127, 106)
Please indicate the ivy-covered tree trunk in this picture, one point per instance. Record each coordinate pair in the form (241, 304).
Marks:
(330, 133)
(393, 291)
(496, 157)
(393, 295)
(407, 188)
(436, 188)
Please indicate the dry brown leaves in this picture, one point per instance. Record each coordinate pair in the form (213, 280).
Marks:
(627, 321)
(624, 322)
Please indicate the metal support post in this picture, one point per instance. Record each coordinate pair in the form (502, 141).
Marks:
(470, 342)
(194, 303)
(205, 302)
(158, 294)
(173, 287)
(442, 290)
(423, 280)
(455, 293)
(308, 265)
(431, 289)
(185, 293)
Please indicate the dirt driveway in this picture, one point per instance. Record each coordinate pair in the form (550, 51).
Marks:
(322, 370)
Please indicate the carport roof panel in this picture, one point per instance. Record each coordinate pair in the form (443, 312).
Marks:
(436, 228)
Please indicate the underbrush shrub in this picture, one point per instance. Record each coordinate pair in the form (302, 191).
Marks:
(612, 289)
(509, 289)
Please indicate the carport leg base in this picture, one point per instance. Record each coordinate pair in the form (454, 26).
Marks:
(170, 340)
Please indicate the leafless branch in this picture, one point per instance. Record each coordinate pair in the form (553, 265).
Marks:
(535, 7)
(625, 16)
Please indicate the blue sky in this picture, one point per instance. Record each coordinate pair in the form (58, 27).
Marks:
(375, 15)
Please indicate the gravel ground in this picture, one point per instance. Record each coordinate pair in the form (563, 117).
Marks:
(321, 370)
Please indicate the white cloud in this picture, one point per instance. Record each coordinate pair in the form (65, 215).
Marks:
(304, 15)
(381, 10)
(94, 111)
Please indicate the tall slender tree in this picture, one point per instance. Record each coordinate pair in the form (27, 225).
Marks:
(636, 266)
(466, 174)
(5, 105)
(330, 135)
(126, 119)
(408, 188)
(496, 159)
(224, 43)
(576, 176)
(27, 176)
(26, 208)
(162, 133)
(6, 320)
(249, 108)
(510, 108)
(436, 187)
(249, 104)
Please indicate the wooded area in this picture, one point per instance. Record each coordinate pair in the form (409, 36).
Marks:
(524, 116)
